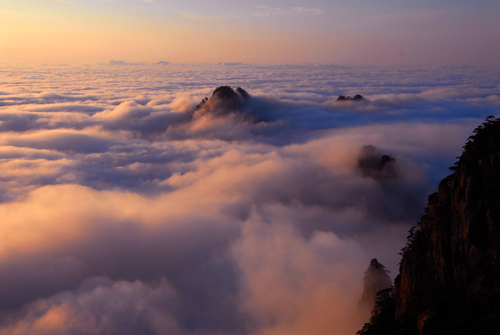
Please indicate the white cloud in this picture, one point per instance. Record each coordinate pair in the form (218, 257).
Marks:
(203, 222)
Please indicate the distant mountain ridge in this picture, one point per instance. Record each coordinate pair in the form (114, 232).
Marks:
(449, 281)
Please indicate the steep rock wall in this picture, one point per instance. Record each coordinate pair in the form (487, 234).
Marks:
(449, 281)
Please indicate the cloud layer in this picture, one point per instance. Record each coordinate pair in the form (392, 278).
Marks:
(126, 209)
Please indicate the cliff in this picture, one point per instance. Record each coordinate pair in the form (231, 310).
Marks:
(449, 281)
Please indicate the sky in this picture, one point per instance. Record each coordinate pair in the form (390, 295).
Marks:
(356, 32)
(127, 209)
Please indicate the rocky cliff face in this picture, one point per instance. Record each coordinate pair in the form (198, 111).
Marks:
(449, 281)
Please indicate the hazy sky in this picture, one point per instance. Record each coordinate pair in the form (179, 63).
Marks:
(276, 31)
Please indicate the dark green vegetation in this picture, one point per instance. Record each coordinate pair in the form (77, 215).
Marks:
(449, 281)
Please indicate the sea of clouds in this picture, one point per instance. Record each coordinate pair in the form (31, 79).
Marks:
(125, 210)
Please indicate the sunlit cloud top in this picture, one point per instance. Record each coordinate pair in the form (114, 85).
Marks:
(130, 204)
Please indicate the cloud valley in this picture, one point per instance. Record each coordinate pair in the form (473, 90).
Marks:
(129, 208)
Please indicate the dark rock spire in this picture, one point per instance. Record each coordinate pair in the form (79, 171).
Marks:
(375, 280)
(449, 281)
(224, 100)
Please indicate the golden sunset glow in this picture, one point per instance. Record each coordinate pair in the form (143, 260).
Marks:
(82, 32)
(225, 167)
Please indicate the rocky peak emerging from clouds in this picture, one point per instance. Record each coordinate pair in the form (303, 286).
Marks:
(449, 281)
(357, 97)
(375, 280)
(375, 165)
(224, 100)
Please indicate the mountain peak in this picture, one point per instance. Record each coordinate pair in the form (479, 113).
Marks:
(375, 280)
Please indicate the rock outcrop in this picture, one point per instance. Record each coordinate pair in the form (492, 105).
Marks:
(357, 97)
(376, 279)
(375, 165)
(224, 100)
(449, 281)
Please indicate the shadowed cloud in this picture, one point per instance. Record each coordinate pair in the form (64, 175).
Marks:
(130, 207)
